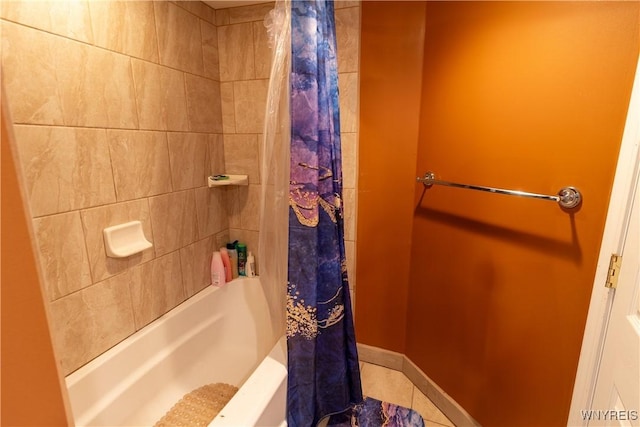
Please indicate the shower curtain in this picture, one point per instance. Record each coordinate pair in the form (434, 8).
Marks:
(324, 376)
(274, 201)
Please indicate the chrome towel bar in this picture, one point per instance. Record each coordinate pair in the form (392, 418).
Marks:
(567, 197)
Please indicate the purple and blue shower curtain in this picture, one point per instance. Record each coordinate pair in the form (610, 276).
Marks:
(324, 376)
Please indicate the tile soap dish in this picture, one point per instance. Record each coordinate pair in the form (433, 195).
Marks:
(221, 180)
(123, 240)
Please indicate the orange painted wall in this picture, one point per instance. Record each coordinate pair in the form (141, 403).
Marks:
(530, 96)
(390, 79)
(32, 392)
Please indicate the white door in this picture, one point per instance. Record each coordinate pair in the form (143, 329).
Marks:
(617, 394)
(608, 375)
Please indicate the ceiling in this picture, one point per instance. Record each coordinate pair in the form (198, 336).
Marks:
(221, 4)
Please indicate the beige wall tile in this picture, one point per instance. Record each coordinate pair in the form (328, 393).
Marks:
(350, 254)
(54, 80)
(156, 287)
(203, 104)
(88, 322)
(262, 51)
(340, 4)
(348, 85)
(208, 14)
(251, 208)
(244, 206)
(125, 26)
(69, 19)
(348, 38)
(179, 38)
(349, 165)
(64, 168)
(215, 155)
(235, 45)
(349, 208)
(241, 156)
(250, 99)
(188, 157)
(97, 219)
(249, 13)
(63, 256)
(210, 56)
(140, 163)
(29, 74)
(234, 211)
(222, 17)
(173, 220)
(222, 238)
(228, 107)
(276, 156)
(199, 9)
(160, 97)
(352, 295)
(271, 175)
(196, 264)
(95, 86)
(211, 210)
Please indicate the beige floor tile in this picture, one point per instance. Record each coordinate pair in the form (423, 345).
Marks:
(430, 412)
(387, 385)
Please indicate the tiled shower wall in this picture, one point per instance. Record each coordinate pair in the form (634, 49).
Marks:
(117, 118)
(245, 61)
(120, 110)
(348, 38)
(245, 64)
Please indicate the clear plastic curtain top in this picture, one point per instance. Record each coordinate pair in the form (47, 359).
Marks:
(275, 22)
(274, 202)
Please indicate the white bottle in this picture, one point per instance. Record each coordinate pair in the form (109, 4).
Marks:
(217, 270)
(250, 266)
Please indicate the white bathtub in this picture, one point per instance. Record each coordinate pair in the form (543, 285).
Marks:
(219, 335)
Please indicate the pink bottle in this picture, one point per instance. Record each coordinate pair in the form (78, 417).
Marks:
(226, 261)
(217, 270)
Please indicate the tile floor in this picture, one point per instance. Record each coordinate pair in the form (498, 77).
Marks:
(393, 386)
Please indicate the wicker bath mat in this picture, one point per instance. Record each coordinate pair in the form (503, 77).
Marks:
(198, 407)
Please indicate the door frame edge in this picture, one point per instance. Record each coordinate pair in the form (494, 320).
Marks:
(625, 183)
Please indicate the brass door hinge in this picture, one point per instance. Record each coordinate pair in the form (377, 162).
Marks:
(614, 271)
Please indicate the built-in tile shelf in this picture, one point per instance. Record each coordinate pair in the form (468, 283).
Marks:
(222, 180)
